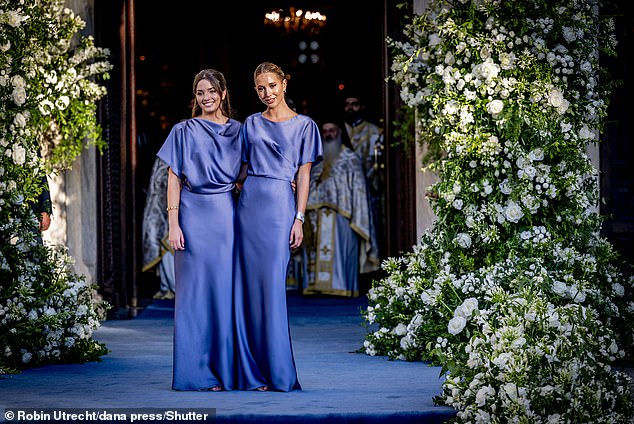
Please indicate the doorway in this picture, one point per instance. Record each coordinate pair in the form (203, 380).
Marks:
(347, 53)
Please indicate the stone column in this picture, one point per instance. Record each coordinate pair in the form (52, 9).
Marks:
(73, 192)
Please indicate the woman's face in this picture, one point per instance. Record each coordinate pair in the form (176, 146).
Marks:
(270, 89)
(208, 98)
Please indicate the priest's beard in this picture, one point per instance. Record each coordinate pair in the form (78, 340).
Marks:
(332, 148)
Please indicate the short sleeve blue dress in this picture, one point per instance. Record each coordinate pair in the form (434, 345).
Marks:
(206, 156)
(265, 213)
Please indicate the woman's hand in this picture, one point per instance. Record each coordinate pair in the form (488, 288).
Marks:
(297, 234)
(177, 240)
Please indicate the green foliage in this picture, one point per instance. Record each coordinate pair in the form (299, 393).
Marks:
(48, 90)
(513, 291)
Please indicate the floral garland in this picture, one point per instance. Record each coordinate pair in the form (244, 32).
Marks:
(48, 93)
(513, 291)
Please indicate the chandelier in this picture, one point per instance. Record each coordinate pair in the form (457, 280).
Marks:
(295, 20)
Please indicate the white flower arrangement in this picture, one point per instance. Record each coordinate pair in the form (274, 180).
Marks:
(48, 95)
(513, 291)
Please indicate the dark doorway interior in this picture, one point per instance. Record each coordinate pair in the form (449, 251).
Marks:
(175, 41)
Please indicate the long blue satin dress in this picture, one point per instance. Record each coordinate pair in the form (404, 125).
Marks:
(206, 156)
(265, 213)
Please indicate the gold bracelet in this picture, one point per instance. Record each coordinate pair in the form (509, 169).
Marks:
(172, 208)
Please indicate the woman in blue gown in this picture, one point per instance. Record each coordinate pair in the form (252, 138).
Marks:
(279, 147)
(204, 157)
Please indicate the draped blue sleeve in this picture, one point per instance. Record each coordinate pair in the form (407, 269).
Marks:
(311, 149)
(244, 144)
(278, 149)
(172, 150)
(205, 155)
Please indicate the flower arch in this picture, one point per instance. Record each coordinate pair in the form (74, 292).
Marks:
(49, 85)
(513, 291)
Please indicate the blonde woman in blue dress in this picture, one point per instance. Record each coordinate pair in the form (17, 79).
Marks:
(279, 147)
(204, 158)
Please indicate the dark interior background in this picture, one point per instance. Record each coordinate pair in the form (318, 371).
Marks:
(174, 43)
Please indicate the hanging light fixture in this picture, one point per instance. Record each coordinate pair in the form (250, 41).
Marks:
(295, 20)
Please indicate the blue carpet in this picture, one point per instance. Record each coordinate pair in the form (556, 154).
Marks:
(339, 385)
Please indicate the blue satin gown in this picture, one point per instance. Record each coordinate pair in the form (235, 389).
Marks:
(265, 213)
(206, 156)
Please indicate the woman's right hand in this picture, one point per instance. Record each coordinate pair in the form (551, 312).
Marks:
(176, 238)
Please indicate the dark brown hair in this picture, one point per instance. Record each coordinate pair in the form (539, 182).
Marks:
(218, 82)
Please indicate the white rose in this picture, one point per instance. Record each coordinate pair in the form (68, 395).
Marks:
(513, 212)
(427, 298)
(555, 97)
(530, 172)
(507, 60)
(470, 221)
(458, 204)
(449, 58)
(14, 18)
(434, 39)
(505, 187)
(19, 120)
(46, 106)
(569, 34)
(451, 108)
(511, 390)
(536, 154)
(578, 296)
(19, 96)
(489, 70)
(466, 118)
(563, 107)
(456, 325)
(585, 133)
(494, 107)
(407, 342)
(400, 329)
(62, 103)
(469, 306)
(19, 155)
(618, 289)
(463, 240)
(560, 288)
(483, 394)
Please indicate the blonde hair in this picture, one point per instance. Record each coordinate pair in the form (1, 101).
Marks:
(266, 67)
(218, 82)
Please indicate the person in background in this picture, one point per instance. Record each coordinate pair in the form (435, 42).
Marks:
(367, 140)
(44, 208)
(280, 146)
(340, 246)
(204, 156)
(157, 253)
(366, 137)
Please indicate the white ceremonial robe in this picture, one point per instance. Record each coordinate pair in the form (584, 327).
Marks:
(339, 244)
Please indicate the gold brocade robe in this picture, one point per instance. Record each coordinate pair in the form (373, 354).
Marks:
(337, 189)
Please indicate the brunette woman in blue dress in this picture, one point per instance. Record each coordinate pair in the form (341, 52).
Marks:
(279, 147)
(204, 157)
